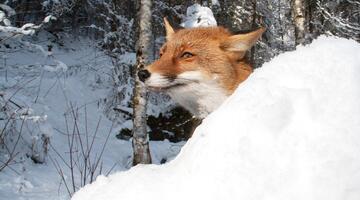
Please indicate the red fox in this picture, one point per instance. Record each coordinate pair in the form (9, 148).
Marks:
(200, 67)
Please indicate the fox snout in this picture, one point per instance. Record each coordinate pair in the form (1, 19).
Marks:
(164, 81)
(143, 75)
(158, 81)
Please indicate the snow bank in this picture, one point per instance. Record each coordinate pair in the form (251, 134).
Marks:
(291, 131)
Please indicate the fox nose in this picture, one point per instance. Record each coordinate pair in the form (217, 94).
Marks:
(143, 75)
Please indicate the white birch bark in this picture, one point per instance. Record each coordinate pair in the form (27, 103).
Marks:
(140, 137)
(299, 20)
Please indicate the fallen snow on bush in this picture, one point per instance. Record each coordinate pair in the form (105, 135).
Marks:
(291, 131)
(197, 15)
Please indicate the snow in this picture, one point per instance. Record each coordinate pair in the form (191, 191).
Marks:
(10, 11)
(48, 18)
(197, 15)
(2, 16)
(215, 3)
(58, 66)
(291, 131)
(128, 57)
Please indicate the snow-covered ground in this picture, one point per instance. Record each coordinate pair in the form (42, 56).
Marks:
(77, 74)
(291, 131)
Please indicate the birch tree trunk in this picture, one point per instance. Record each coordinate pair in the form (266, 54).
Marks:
(298, 9)
(140, 137)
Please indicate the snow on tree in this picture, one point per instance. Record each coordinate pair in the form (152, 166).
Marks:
(7, 30)
(197, 15)
(341, 18)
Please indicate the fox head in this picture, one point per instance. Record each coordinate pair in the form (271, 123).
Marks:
(198, 61)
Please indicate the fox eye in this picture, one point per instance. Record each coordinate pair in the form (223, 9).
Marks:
(187, 55)
(160, 54)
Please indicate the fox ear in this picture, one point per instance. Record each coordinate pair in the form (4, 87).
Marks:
(242, 42)
(169, 30)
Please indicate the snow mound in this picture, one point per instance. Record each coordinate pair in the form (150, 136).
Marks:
(291, 131)
(197, 15)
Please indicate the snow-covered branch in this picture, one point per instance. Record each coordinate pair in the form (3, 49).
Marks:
(7, 30)
(338, 21)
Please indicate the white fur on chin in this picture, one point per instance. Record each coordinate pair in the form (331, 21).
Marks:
(199, 95)
(157, 81)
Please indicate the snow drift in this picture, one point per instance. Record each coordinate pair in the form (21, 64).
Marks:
(291, 131)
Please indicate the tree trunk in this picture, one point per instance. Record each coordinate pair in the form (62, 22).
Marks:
(140, 137)
(298, 9)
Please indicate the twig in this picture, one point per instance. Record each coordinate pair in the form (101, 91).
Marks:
(103, 148)
(38, 92)
(123, 111)
(12, 153)
(58, 169)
